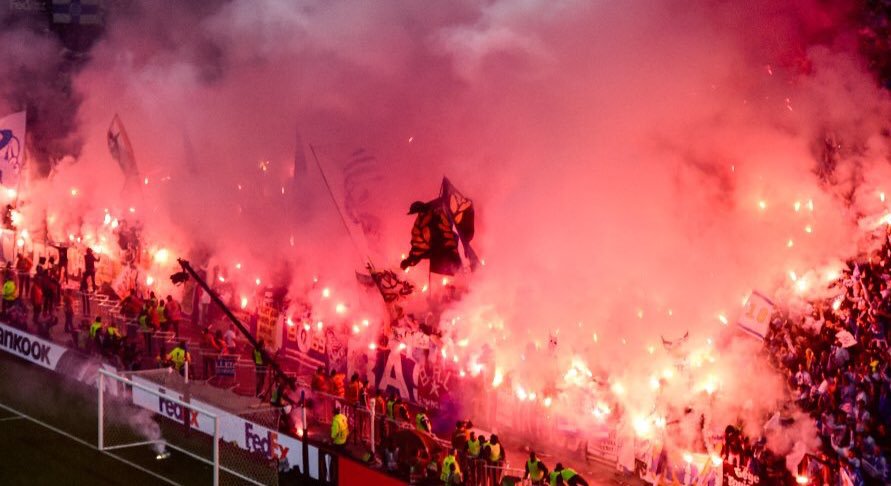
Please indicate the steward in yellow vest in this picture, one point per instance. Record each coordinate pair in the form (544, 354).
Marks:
(339, 428)
(535, 469)
(446, 466)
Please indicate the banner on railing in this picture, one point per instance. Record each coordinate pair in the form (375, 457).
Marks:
(225, 365)
(246, 435)
(739, 476)
(29, 347)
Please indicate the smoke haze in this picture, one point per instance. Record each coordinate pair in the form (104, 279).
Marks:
(637, 167)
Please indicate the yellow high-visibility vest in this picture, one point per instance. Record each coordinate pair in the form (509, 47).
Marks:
(446, 464)
(473, 447)
(9, 290)
(567, 473)
(178, 356)
(494, 452)
(420, 423)
(535, 473)
(339, 429)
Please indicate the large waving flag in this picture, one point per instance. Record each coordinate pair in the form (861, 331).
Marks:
(12, 147)
(121, 150)
(441, 226)
(354, 181)
(361, 175)
(462, 215)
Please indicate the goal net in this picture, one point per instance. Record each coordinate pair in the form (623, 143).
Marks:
(146, 418)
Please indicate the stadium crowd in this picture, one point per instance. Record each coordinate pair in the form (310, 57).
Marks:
(835, 358)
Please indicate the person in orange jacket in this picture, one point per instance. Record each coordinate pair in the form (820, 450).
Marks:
(336, 384)
(320, 381)
(353, 389)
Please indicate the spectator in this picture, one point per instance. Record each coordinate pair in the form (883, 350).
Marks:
(230, 338)
(62, 248)
(320, 380)
(37, 298)
(353, 389)
(131, 306)
(422, 422)
(23, 268)
(68, 309)
(85, 297)
(335, 384)
(90, 260)
(173, 313)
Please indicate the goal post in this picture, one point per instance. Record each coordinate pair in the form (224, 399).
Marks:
(146, 426)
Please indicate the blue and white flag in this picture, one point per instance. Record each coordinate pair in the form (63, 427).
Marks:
(121, 150)
(83, 12)
(12, 148)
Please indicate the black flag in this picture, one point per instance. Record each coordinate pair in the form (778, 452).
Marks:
(440, 225)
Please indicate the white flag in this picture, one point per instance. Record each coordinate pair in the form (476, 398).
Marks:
(846, 339)
(755, 318)
(12, 148)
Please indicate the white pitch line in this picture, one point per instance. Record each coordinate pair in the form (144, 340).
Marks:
(83, 442)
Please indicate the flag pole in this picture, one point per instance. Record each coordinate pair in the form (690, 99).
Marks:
(18, 189)
(343, 221)
(368, 264)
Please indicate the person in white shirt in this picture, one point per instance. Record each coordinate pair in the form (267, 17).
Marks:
(230, 338)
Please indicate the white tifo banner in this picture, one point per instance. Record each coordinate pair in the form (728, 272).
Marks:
(755, 318)
(30, 347)
(247, 435)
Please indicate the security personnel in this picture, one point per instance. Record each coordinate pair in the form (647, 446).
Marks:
(496, 454)
(422, 423)
(493, 453)
(112, 337)
(391, 405)
(259, 367)
(95, 326)
(339, 428)
(446, 466)
(179, 356)
(9, 293)
(568, 475)
(535, 469)
(475, 445)
(112, 331)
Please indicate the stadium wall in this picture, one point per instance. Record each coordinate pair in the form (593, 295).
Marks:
(316, 462)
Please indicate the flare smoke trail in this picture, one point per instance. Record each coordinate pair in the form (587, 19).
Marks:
(637, 168)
